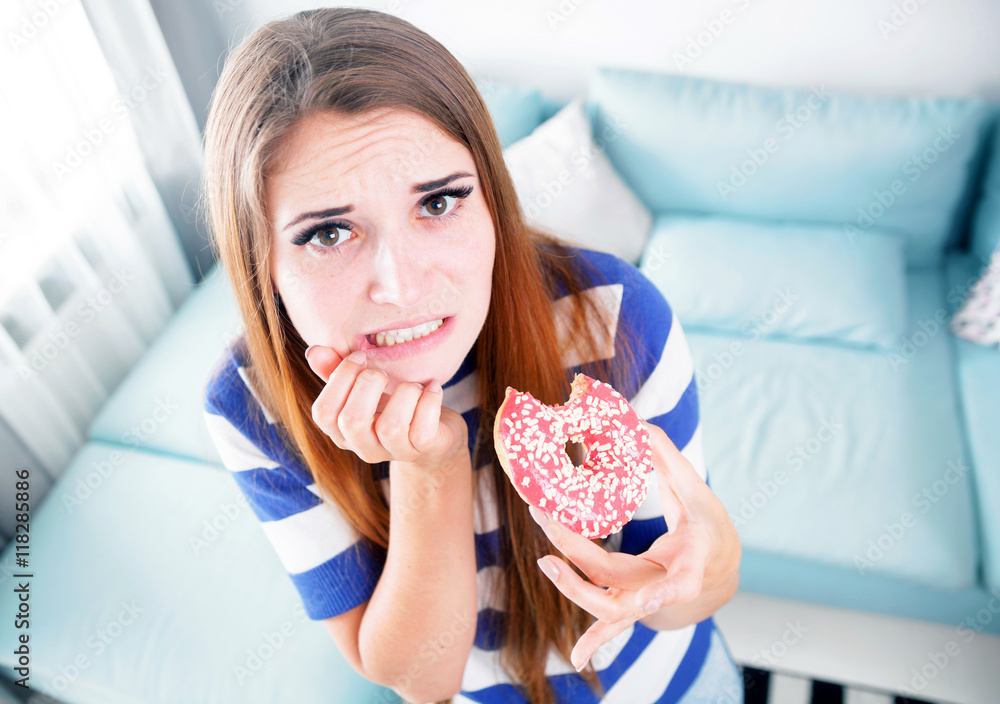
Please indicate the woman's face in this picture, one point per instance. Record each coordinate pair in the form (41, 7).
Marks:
(382, 241)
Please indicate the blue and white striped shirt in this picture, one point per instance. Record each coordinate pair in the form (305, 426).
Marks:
(334, 572)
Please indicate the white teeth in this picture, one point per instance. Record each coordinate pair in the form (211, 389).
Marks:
(389, 338)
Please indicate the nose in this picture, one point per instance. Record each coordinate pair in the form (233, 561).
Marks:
(397, 275)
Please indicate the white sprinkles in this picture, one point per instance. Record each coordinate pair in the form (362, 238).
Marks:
(600, 497)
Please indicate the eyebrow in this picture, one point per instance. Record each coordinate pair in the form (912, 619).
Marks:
(416, 188)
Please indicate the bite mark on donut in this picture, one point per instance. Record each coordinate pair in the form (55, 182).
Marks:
(597, 498)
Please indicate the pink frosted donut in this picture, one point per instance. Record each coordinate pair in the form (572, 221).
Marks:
(600, 497)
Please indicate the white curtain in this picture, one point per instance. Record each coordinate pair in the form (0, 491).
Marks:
(91, 266)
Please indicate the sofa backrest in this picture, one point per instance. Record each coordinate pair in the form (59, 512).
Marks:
(901, 164)
(985, 230)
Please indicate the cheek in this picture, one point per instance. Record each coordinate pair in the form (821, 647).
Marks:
(317, 303)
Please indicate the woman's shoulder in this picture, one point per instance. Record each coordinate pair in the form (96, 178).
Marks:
(621, 288)
(227, 390)
(598, 268)
(230, 399)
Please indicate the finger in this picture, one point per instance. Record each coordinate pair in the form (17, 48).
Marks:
(674, 512)
(599, 634)
(683, 583)
(392, 429)
(426, 417)
(669, 462)
(330, 401)
(322, 360)
(606, 569)
(601, 603)
(674, 478)
(357, 420)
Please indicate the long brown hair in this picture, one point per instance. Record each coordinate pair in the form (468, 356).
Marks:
(349, 61)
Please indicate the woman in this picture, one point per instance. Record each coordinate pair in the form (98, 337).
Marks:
(391, 291)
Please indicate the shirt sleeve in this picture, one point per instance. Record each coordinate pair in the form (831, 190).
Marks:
(667, 395)
(330, 566)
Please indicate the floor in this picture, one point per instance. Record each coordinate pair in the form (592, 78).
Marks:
(792, 652)
(763, 687)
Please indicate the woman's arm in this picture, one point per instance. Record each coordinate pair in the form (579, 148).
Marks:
(420, 623)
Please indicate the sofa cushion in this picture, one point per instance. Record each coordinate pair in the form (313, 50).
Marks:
(840, 456)
(700, 145)
(515, 109)
(780, 279)
(979, 384)
(157, 406)
(165, 561)
(567, 186)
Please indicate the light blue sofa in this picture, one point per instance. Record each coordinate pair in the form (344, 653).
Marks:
(155, 583)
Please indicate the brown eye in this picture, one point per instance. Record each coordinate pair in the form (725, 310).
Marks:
(332, 236)
(438, 206)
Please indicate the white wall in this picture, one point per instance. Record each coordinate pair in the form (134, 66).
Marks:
(940, 47)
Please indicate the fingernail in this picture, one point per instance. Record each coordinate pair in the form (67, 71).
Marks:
(357, 356)
(419, 385)
(540, 517)
(306, 353)
(653, 605)
(550, 570)
(435, 387)
(581, 665)
(655, 602)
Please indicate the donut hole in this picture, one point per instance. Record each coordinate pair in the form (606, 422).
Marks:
(577, 452)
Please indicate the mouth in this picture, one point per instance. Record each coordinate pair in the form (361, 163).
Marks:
(408, 337)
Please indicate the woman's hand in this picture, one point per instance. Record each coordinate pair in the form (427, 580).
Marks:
(409, 425)
(684, 577)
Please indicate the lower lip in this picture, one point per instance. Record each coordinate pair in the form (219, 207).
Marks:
(413, 347)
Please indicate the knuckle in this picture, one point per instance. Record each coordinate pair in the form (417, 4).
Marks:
(388, 430)
(601, 574)
(320, 415)
(350, 424)
(421, 438)
(366, 456)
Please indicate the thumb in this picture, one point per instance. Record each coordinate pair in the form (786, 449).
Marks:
(322, 360)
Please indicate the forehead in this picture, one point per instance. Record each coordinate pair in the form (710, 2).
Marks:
(341, 152)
